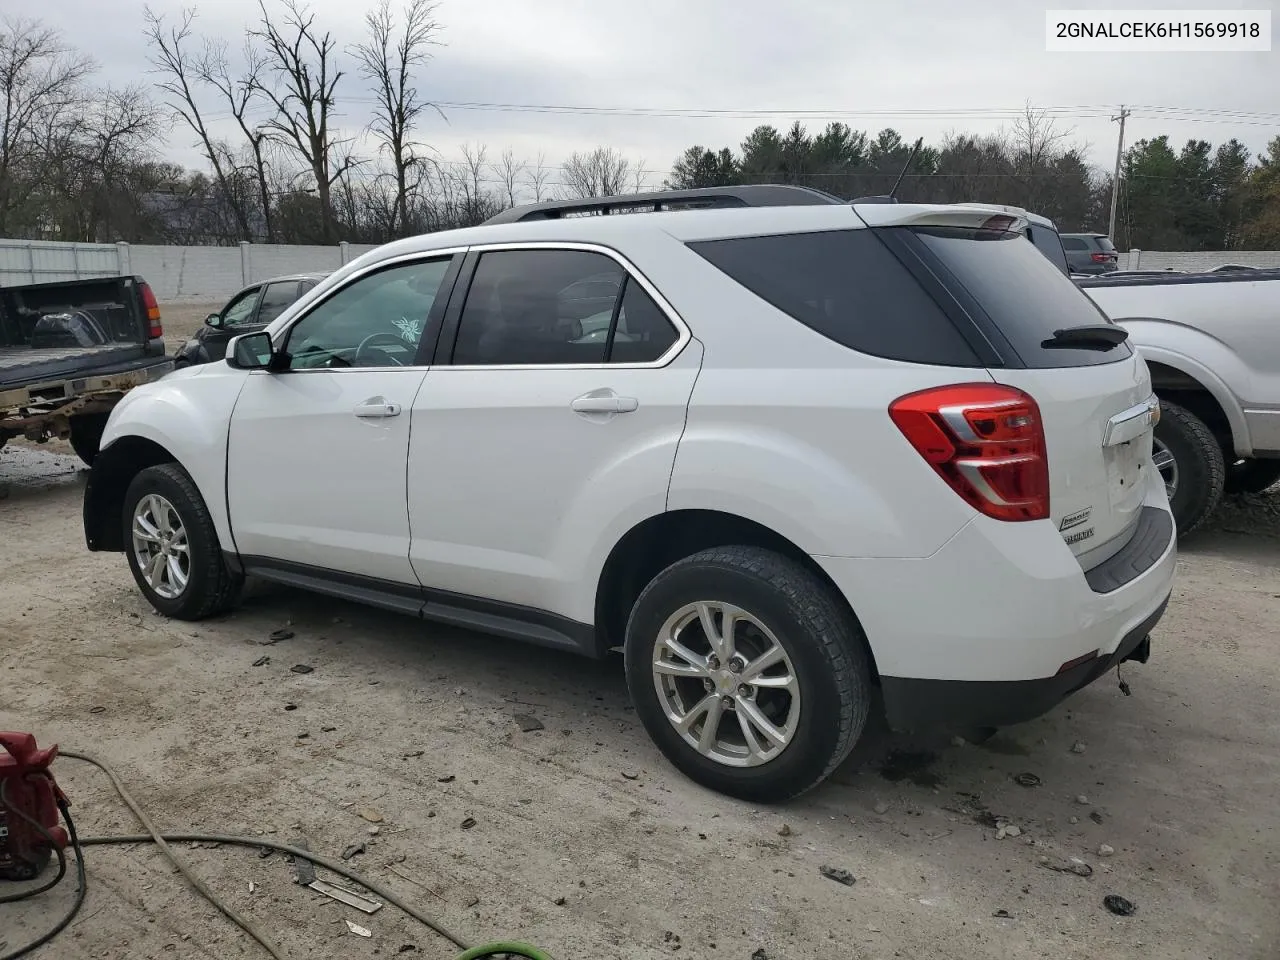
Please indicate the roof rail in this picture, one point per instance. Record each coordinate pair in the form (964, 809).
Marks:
(747, 195)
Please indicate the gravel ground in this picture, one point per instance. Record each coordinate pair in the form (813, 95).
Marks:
(584, 840)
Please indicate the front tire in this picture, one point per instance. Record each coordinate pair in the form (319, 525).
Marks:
(173, 548)
(766, 709)
(1190, 462)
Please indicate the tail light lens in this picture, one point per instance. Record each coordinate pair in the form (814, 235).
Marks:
(154, 327)
(986, 441)
(1103, 257)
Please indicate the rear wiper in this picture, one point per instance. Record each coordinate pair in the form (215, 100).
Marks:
(1097, 336)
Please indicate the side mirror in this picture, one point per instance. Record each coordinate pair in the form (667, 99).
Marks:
(213, 320)
(251, 351)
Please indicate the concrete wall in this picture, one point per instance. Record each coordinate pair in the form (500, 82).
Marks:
(214, 273)
(174, 273)
(1197, 261)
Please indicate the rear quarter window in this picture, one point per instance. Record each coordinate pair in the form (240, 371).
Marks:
(1013, 291)
(848, 286)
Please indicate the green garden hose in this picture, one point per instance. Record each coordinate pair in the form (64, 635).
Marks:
(495, 949)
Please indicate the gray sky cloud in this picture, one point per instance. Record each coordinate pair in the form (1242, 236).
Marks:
(870, 65)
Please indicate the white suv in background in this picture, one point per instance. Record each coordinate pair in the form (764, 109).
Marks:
(783, 450)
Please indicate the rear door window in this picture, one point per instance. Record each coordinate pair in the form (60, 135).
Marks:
(275, 298)
(850, 287)
(1074, 243)
(1009, 286)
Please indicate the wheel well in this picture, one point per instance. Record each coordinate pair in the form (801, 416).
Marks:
(654, 544)
(113, 471)
(1187, 392)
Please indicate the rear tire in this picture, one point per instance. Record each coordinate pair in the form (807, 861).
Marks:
(1252, 476)
(1197, 471)
(86, 435)
(173, 547)
(785, 611)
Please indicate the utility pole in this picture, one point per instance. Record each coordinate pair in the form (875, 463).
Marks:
(1115, 179)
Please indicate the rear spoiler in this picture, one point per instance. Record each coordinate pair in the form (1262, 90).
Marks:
(880, 214)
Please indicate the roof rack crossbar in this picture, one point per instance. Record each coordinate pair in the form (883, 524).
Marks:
(749, 195)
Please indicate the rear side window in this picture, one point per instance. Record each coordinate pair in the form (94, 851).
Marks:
(849, 287)
(1023, 296)
(540, 307)
(1074, 243)
(1105, 244)
(275, 298)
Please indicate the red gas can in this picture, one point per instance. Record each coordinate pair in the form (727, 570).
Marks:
(28, 789)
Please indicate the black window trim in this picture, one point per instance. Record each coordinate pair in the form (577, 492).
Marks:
(443, 300)
(443, 358)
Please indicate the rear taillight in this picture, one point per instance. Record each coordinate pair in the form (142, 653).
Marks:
(1104, 257)
(986, 441)
(154, 327)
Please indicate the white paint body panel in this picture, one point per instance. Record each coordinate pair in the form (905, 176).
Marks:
(1222, 334)
(515, 497)
(310, 482)
(999, 601)
(188, 412)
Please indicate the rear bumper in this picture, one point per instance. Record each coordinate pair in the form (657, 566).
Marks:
(932, 704)
(1002, 623)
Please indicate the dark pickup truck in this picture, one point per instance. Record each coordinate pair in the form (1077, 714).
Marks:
(69, 351)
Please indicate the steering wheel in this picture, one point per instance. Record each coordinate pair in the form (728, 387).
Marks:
(368, 344)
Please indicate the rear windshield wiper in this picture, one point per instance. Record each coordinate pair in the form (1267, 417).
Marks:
(1096, 336)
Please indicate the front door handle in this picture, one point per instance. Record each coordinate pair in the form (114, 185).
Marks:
(376, 408)
(604, 404)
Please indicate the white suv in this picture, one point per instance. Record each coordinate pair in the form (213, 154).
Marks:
(793, 455)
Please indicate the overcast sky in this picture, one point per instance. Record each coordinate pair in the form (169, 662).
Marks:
(940, 65)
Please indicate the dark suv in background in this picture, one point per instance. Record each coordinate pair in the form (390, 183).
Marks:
(1090, 253)
(248, 311)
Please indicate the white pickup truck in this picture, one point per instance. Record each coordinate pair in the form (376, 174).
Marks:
(1212, 342)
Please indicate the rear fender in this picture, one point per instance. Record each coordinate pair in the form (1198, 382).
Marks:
(1206, 360)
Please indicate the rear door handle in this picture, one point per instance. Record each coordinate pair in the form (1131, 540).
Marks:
(376, 408)
(606, 404)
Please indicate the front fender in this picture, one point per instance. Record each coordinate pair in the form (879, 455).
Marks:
(188, 413)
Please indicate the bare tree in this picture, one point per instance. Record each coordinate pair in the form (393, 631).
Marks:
(508, 170)
(603, 172)
(388, 60)
(537, 176)
(639, 178)
(1036, 144)
(40, 77)
(240, 92)
(304, 63)
(180, 75)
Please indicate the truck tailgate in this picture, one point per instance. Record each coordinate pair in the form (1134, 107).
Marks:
(20, 365)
